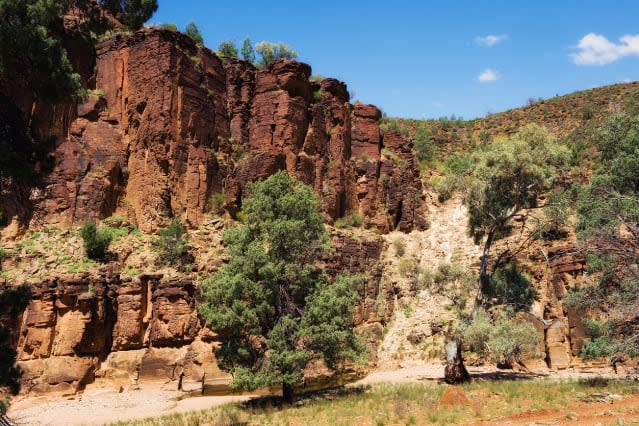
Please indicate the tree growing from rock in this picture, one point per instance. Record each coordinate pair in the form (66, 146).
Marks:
(248, 53)
(270, 52)
(505, 178)
(227, 49)
(32, 48)
(132, 13)
(272, 304)
(193, 31)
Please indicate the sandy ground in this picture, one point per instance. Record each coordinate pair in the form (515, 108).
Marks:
(103, 406)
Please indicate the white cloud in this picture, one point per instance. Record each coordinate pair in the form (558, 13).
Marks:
(488, 75)
(595, 49)
(490, 40)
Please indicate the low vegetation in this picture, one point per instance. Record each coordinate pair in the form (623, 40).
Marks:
(352, 220)
(414, 404)
(96, 240)
(173, 245)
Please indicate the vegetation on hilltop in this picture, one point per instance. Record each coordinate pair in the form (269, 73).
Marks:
(268, 52)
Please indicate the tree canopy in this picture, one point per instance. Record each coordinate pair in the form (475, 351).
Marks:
(608, 230)
(132, 13)
(31, 41)
(270, 52)
(272, 303)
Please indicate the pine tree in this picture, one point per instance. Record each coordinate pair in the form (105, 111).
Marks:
(248, 53)
(193, 31)
(273, 306)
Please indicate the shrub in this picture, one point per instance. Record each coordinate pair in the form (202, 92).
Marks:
(400, 246)
(4, 220)
(3, 254)
(409, 268)
(96, 240)
(169, 26)
(227, 49)
(270, 52)
(353, 220)
(216, 203)
(424, 145)
(596, 328)
(193, 31)
(505, 340)
(173, 243)
(599, 347)
(509, 286)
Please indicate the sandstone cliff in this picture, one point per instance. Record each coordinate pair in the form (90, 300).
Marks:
(170, 124)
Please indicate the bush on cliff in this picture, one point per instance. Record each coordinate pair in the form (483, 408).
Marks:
(271, 52)
(193, 31)
(272, 304)
(173, 244)
(503, 340)
(132, 13)
(227, 49)
(96, 241)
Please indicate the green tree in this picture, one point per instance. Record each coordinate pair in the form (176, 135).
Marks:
(507, 177)
(32, 46)
(132, 13)
(173, 243)
(96, 241)
(227, 49)
(12, 302)
(273, 305)
(31, 49)
(608, 230)
(270, 52)
(424, 145)
(248, 53)
(193, 31)
(503, 179)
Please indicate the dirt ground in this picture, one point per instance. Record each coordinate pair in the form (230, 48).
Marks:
(97, 406)
(623, 412)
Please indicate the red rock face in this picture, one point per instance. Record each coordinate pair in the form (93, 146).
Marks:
(82, 328)
(170, 124)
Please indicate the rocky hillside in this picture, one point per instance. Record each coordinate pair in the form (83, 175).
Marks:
(562, 115)
(170, 130)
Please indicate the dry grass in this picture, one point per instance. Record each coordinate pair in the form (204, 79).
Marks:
(403, 404)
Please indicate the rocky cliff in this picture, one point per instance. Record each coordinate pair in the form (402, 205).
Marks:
(110, 328)
(169, 124)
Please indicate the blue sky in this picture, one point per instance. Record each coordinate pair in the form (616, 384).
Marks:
(437, 58)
